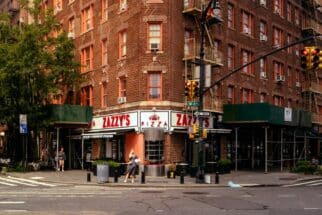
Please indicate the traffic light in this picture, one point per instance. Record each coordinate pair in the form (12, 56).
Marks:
(195, 86)
(316, 57)
(304, 58)
(204, 133)
(195, 129)
(187, 88)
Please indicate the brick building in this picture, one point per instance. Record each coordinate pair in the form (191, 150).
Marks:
(137, 56)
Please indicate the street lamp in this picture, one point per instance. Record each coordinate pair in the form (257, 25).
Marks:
(210, 15)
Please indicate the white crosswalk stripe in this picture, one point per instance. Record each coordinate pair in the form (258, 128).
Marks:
(310, 183)
(14, 181)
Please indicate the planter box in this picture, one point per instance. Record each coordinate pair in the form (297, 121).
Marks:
(102, 173)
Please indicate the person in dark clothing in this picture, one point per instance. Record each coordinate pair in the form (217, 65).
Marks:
(132, 165)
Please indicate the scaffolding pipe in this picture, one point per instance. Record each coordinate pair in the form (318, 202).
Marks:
(56, 157)
(305, 150)
(82, 149)
(282, 150)
(253, 151)
(294, 149)
(236, 152)
(266, 150)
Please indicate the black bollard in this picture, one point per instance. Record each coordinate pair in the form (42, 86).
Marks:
(142, 177)
(116, 176)
(182, 177)
(217, 178)
(88, 177)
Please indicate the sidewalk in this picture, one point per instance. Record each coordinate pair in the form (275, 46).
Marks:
(243, 178)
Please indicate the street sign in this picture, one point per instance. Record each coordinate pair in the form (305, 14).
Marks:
(193, 103)
(202, 113)
(23, 124)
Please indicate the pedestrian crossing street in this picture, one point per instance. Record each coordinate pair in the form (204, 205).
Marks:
(310, 183)
(11, 181)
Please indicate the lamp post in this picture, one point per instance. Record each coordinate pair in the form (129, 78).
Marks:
(212, 9)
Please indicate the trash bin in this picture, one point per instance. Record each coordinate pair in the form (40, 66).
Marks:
(102, 173)
(208, 179)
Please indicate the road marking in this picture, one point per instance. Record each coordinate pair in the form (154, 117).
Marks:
(37, 177)
(14, 211)
(286, 196)
(312, 208)
(315, 184)
(303, 183)
(4, 183)
(12, 202)
(33, 182)
(17, 182)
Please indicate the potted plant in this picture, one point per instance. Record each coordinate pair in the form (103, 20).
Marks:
(113, 168)
(224, 166)
(171, 173)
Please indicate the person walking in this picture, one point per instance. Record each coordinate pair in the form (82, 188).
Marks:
(132, 165)
(61, 159)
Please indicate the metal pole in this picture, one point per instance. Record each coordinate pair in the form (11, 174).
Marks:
(294, 149)
(305, 150)
(82, 149)
(253, 150)
(57, 164)
(236, 150)
(281, 150)
(266, 150)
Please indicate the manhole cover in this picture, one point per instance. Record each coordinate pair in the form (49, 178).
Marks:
(195, 193)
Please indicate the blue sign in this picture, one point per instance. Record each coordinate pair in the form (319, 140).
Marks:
(23, 129)
(23, 124)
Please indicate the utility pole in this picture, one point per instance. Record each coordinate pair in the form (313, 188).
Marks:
(209, 9)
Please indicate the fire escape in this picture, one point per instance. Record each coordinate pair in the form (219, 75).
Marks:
(312, 83)
(213, 58)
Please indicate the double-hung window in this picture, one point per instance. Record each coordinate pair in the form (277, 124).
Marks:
(155, 38)
(154, 86)
(87, 18)
(122, 44)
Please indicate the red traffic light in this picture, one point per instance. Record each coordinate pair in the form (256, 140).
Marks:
(304, 52)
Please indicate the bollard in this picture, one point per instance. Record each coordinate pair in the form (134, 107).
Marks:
(217, 178)
(142, 177)
(116, 176)
(88, 177)
(182, 177)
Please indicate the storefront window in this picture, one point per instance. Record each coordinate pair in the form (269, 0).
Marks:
(154, 151)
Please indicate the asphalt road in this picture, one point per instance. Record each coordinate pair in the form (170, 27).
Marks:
(97, 200)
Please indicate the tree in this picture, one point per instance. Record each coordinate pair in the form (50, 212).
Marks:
(35, 66)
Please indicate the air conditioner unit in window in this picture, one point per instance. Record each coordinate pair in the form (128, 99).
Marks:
(263, 75)
(297, 84)
(277, 11)
(154, 46)
(246, 31)
(280, 78)
(121, 100)
(276, 46)
(262, 2)
(71, 35)
(123, 6)
(263, 37)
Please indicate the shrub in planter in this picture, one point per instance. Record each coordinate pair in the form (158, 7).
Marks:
(113, 167)
(304, 167)
(224, 166)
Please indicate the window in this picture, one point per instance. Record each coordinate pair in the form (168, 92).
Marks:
(87, 18)
(278, 100)
(230, 57)
(277, 37)
(57, 99)
(298, 78)
(188, 43)
(58, 6)
(247, 23)
(87, 96)
(122, 44)
(246, 58)
(154, 86)
(289, 11)
(104, 52)
(278, 70)
(87, 58)
(278, 7)
(262, 68)
(231, 94)
(123, 5)
(104, 97)
(122, 86)
(288, 40)
(71, 27)
(262, 97)
(262, 31)
(289, 103)
(296, 16)
(154, 37)
(246, 95)
(104, 10)
(230, 18)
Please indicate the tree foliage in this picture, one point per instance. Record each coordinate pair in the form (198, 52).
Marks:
(34, 66)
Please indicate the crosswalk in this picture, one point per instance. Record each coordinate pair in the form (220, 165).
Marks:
(309, 183)
(11, 181)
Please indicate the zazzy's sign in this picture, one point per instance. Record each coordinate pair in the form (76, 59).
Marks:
(180, 119)
(122, 120)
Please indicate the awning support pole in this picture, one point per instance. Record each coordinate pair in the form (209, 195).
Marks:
(266, 150)
(236, 150)
(57, 149)
(82, 149)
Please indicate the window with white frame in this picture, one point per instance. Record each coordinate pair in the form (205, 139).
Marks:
(230, 18)
(246, 58)
(154, 36)
(154, 86)
(247, 23)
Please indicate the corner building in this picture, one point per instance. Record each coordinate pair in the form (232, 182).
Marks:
(137, 55)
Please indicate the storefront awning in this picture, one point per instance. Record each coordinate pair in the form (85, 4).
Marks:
(219, 131)
(98, 135)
